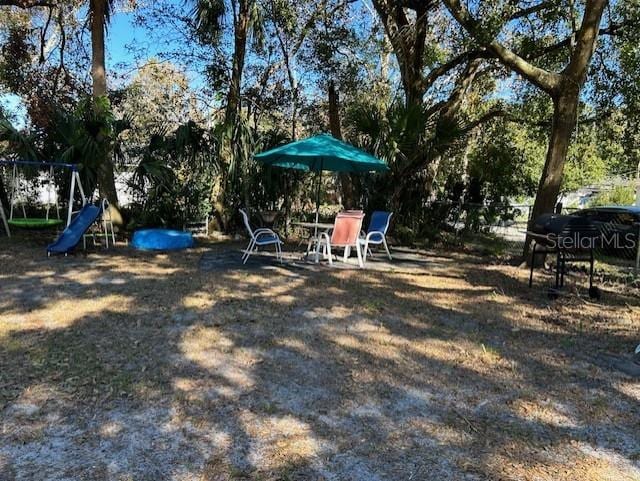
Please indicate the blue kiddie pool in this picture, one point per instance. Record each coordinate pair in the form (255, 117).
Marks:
(161, 239)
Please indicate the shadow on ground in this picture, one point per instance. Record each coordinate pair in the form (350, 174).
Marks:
(185, 366)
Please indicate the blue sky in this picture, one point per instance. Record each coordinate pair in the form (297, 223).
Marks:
(130, 45)
(123, 33)
(11, 103)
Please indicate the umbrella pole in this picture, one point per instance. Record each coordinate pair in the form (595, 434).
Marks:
(315, 232)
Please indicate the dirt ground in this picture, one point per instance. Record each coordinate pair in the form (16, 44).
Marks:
(124, 365)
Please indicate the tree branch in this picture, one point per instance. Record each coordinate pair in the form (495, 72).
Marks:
(446, 67)
(547, 81)
(43, 35)
(525, 12)
(510, 117)
(612, 29)
(304, 31)
(28, 3)
(490, 115)
(586, 40)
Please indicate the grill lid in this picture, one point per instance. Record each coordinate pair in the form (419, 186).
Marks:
(568, 231)
(550, 224)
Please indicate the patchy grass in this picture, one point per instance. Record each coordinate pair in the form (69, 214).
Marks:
(124, 365)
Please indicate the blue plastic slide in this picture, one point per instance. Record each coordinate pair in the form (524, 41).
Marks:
(73, 234)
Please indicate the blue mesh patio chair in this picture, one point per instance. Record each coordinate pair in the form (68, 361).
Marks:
(376, 233)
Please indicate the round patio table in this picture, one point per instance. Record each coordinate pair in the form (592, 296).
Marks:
(313, 245)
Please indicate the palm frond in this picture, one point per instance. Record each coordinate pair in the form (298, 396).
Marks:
(20, 144)
(256, 21)
(208, 17)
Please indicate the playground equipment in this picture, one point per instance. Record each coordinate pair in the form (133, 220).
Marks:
(47, 221)
(108, 231)
(161, 239)
(76, 230)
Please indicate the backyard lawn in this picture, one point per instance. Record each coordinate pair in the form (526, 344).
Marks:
(125, 365)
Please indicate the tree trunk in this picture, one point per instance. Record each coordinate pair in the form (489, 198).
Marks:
(106, 177)
(293, 85)
(432, 173)
(294, 114)
(396, 198)
(413, 94)
(98, 69)
(565, 115)
(334, 112)
(241, 28)
(562, 127)
(446, 122)
(221, 193)
(4, 198)
(346, 185)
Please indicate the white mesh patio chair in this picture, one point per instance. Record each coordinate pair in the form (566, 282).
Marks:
(260, 238)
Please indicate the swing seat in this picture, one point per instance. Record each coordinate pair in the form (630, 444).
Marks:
(34, 223)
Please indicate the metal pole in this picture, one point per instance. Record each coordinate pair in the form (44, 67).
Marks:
(637, 270)
(84, 197)
(13, 190)
(4, 220)
(71, 192)
(315, 232)
(54, 190)
(638, 185)
(49, 190)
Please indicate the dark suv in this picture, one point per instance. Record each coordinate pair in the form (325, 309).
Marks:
(619, 226)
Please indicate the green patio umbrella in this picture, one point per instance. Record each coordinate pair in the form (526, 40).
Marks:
(321, 153)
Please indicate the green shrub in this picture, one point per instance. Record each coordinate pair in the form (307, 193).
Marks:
(620, 195)
(174, 177)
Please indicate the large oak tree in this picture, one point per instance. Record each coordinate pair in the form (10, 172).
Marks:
(563, 86)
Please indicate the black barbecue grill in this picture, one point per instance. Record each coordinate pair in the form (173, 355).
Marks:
(571, 239)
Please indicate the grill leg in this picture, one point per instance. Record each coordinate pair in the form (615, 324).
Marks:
(533, 260)
(591, 270)
(594, 292)
(563, 266)
(558, 270)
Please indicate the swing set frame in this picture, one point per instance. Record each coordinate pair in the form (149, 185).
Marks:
(76, 184)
